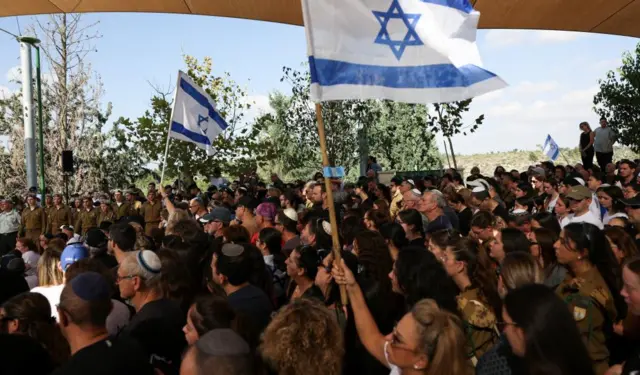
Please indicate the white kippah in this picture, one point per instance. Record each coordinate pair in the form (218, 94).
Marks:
(149, 261)
(416, 192)
(478, 189)
(327, 227)
(581, 181)
(291, 214)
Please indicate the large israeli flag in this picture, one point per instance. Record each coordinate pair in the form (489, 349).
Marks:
(415, 51)
(194, 117)
(551, 148)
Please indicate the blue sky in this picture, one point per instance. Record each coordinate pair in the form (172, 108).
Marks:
(552, 75)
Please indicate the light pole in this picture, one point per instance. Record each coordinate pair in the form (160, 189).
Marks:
(26, 42)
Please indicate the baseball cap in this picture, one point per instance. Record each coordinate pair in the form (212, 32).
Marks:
(632, 202)
(217, 214)
(579, 193)
(72, 254)
(266, 210)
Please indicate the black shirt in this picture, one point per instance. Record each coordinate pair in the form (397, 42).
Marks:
(158, 328)
(112, 356)
(464, 219)
(502, 212)
(253, 303)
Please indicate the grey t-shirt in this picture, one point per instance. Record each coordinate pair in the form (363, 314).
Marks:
(605, 137)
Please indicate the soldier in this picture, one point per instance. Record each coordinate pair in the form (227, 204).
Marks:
(87, 218)
(134, 205)
(76, 207)
(58, 215)
(106, 213)
(150, 211)
(33, 220)
(120, 207)
(585, 290)
(48, 204)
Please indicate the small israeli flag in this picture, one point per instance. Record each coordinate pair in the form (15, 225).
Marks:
(194, 117)
(551, 148)
(414, 51)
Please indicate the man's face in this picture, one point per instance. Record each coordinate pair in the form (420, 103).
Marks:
(31, 201)
(610, 169)
(3, 206)
(579, 206)
(48, 201)
(316, 194)
(151, 196)
(216, 277)
(306, 237)
(193, 207)
(240, 211)
(57, 200)
(126, 285)
(634, 215)
(212, 227)
(394, 187)
(405, 186)
(104, 207)
(408, 200)
(426, 204)
(168, 190)
(603, 123)
(118, 196)
(482, 233)
(129, 197)
(593, 183)
(151, 187)
(625, 170)
(87, 204)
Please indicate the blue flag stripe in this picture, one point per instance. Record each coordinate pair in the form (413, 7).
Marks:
(203, 101)
(461, 5)
(331, 72)
(195, 137)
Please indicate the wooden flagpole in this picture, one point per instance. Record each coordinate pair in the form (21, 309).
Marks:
(332, 209)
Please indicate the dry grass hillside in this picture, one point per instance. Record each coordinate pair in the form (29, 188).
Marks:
(522, 159)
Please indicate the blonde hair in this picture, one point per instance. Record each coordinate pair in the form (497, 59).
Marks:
(175, 217)
(49, 274)
(304, 338)
(520, 268)
(441, 338)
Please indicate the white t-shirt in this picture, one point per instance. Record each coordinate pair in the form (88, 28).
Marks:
(32, 281)
(607, 218)
(52, 293)
(552, 204)
(31, 262)
(395, 370)
(588, 217)
(566, 220)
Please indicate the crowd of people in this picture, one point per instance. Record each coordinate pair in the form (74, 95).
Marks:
(532, 272)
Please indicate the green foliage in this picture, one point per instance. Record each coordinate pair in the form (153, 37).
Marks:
(401, 139)
(619, 100)
(237, 150)
(448, 119)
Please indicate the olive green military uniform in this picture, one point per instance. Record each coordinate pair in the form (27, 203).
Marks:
(151, 214)
(591, 304)
(479, 322)
(122, 211)
(86, 220)
(33, 224)
(106, 216)
(58, 217)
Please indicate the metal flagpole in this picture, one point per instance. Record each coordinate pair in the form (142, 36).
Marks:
(332, 209)
(27, 100)
(43, 185)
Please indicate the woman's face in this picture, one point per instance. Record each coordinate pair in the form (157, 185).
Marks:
(631, 290)
(617, 252)
(292, 264)
(189, 330)
(496, 249)
(564, 252)
(451, 264)
(323, 277)
(560, 208)
(436, 250)
(394, 280)
(537, 184)
(548, 188)
(405, 226)
(368, 223)
(403, 343)
(515, 334)
(519, 192)
(605, 200)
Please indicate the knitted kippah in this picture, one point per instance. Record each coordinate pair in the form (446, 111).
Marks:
(90, 286)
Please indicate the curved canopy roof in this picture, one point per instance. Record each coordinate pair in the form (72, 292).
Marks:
(621, 17)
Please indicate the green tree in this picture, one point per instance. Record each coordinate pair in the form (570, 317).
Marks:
(619, 100)
(401, 139)
(448, 120)
(236, 150)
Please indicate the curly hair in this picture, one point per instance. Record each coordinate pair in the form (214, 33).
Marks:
(303, 338)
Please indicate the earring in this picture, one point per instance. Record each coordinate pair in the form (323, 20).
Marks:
(415, 367)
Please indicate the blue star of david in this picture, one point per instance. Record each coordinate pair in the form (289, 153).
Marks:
(410, 20)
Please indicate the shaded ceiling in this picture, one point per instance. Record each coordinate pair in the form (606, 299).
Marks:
(621, 17)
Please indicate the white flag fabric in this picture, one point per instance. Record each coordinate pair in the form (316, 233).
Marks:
(194, 117)
(414, 51)
(551, 148)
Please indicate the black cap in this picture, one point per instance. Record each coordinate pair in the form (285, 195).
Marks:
(96, 238)
(633, 202)
(396, 180)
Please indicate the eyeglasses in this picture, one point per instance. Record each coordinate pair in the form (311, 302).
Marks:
(120, 278)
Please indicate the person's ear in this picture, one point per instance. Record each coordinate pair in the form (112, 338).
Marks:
(63, 318)
(137, 283)
(460, 266)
